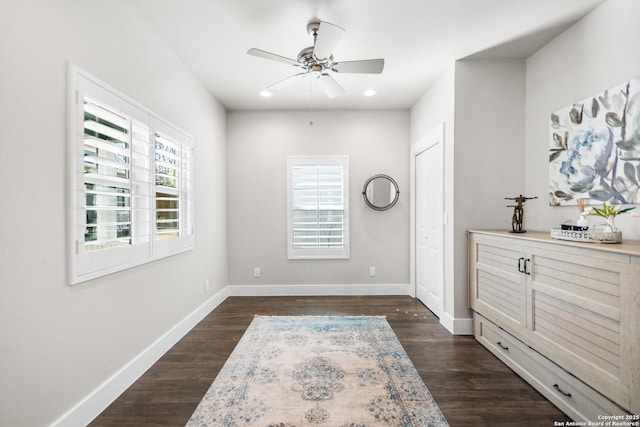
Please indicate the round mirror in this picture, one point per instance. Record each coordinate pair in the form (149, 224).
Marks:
(380, 192)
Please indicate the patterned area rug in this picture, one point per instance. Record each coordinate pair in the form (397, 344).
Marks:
(318, 371)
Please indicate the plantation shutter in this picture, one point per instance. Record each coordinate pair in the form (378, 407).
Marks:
(318, 208)
(168, 164)
(116, 178)
(141, 176)
(173, 171)
(107, 177)
(186, 220)
(126, 166)
(318, 213)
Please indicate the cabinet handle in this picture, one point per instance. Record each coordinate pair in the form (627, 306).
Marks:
(504, 347)
(559, 390)
(526, 266)
(520, 270)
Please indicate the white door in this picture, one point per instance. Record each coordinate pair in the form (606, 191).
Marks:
(429, 226)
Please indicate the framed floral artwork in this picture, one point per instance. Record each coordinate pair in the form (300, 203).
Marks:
(594, 149)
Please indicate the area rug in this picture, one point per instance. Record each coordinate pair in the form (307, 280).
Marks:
(318, 371)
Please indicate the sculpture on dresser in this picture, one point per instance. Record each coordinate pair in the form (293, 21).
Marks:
(518, 212)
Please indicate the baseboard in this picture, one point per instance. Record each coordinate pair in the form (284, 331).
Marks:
(99, 399)
(459, 326)
(92, 405)
(319, 290)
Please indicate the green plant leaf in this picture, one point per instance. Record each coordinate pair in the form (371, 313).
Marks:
(631, 143)
(613, 120)
(576, 115)
(557, 140)
(555, 121)
(604, 99)
(554, 155)
(595, 107)
(626, 210)
(562, 195)
(630, 172)
(632, 101)
(620, 185)
(602, 195)
(625, 145)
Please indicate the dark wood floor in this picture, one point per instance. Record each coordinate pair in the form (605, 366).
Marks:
(471, 386)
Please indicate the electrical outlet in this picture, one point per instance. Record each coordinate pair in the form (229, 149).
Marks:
(206, 285)
(256, 272)
(372, 271)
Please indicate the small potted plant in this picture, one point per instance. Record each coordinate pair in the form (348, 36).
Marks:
(609, 212)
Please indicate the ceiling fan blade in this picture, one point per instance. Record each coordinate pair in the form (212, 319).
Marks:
(326, 40)
(330, 86)
(272, 56)
(365, 66)
(286, 82)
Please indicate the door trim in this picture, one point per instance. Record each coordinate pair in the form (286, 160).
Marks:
(435, 136)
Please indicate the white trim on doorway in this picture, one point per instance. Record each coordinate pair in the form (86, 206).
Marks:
(428, 142)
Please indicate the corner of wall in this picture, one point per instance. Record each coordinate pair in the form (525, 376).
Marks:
(457, 326)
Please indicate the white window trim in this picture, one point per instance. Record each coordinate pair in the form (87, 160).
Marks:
(87, 265)
(318, 253)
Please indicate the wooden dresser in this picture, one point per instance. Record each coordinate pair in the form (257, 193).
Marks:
(565, 316)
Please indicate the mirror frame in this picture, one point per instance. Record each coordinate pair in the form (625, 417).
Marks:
(385, 207)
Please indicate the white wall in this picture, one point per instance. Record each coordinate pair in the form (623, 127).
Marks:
(593, 55)
(491, 97)
(258, 146)
(489, 140)
(489, 154)
(58, 343)
(481, 103)
(435, 107)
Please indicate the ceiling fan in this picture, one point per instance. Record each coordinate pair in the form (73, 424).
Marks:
(317, 60)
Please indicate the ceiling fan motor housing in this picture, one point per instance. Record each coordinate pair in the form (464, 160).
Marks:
(309, 62)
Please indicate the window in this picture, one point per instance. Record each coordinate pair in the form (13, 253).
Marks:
(173, 193)
(318, 201)
(127, 167)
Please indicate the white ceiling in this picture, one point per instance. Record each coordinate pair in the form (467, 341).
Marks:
(417, 38)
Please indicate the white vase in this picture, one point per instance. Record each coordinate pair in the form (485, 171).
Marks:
(582, 222)
(611, 222)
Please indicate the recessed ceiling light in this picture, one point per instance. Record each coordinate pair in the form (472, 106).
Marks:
(265, 93)
(369, 92)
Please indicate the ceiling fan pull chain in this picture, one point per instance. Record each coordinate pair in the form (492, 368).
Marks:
(310, 102)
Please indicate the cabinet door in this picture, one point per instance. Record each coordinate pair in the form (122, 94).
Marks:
(576, 315)
(497, 281)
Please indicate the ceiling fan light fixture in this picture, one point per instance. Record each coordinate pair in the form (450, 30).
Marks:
(369, 92)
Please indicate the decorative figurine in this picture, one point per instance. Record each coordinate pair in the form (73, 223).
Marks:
(518, 212)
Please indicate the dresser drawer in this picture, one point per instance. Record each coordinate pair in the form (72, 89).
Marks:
(572, 396)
